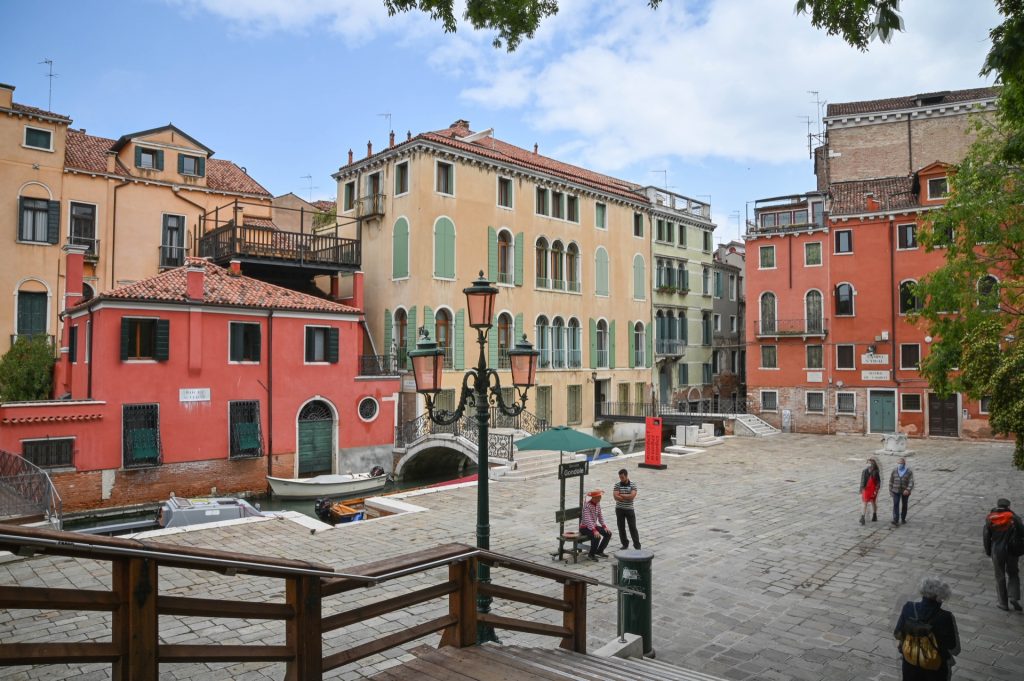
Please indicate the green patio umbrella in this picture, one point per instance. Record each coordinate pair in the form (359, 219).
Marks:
(562, 438)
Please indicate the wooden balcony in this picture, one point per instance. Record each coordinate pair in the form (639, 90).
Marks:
(370, 206)
(269, 246)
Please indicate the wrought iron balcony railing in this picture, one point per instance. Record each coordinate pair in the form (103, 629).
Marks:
(378, 365)
(791, 327)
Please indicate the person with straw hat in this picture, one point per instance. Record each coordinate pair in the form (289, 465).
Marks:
(592, 525)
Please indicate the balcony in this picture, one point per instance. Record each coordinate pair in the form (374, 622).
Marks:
(669, 346)
(172, 256)
(506, 278)
(268, 245)
(370, 206)
(803, 328)
(92, 246)
(378, 365)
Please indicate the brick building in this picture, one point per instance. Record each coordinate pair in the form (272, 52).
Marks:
(831, 273)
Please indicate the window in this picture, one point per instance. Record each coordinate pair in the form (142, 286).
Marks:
(32, 313)
(706, 328)
(558, 343)
(706, 372)
(145, 338)
(815, 402)
(639, 345)
(988, 292)
(938, 188)
(140, 435)
(572, 209)
(543, 342)
(910, 402)
(400, 336)
(684, 374)
(718, 322)
(732, 287)
(558, 266)
(572, 268)
(767, 257)
(910, 355)
(844, 357)
(907, 236)
(83, 227)
(682, 234)
(800, 217)
(818, 213)
(38, 138)
(445, 182)
(600, 216)
(194, 166)
(172, 246)
(443, 336)
(558, 205)
(707, 242)
(769, 400)
(768, 319)
(368, 409)
(245, 342)
(812, 254)
(349, 199)
(768, 220)
(506, 258)
(815, 358)
(844, 300)
(638, 224)
(574, 405)
(50, 453)
(639, 278)
(541, 263)
(444, 249)
(908, 300)
(984, 404)
(574, 341)
(844, 241)
(504, 192)
(769, 357)
(544, 402)
(244, 434)
(321, 344)
(601, 344)
(401, 178)
(705, 276)
(718, 285)
(601, 260)
(400, 249)
(732, 324)
(846, 403)
(542, 207)
(35, 218)
(149, 159)
(813, 308)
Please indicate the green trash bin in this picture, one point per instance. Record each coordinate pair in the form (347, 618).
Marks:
(633, 571)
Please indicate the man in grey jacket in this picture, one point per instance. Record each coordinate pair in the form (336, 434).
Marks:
(901, 483)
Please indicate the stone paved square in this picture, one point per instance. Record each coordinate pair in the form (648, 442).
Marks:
(761, 569)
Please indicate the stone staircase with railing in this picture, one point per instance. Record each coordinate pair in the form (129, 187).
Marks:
(751, 426)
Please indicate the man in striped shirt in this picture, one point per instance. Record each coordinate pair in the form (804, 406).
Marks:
(592, 525)
(624, 493)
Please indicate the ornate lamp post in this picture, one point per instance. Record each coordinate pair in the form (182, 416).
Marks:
(427, 363)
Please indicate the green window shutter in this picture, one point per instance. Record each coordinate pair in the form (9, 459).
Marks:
(602, 273)
(159, 159)
(430, 322)
(593, 344)
(400, 250)
(411, 337)
(632, 343)
(650, 346)
(492, 346)
(52, 222)
(332, 345)
(611, 345)
(259, 340)
(162, 351)
(310, 344)
(520, 244)
(138, 156)
(492, 254)
(181, 163)
(21, 217)
(444, 249)
(73, 344)
(519, 330)
(125, 338)
(450, 250)
(388, 339)
(639, 278)
(202, 166)
(235, 331)
(460, 340)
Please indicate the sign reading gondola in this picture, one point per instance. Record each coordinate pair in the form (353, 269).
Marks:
(573, 470)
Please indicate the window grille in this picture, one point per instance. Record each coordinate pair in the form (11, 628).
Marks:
(141, 435)
(55, 453)
(245, 434)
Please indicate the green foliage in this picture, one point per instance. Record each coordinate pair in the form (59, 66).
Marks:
(325, 218)
(26, 371)
(857, 21)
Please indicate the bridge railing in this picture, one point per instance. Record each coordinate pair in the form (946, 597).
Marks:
(27, 492)
(692, 409)
(499, 445)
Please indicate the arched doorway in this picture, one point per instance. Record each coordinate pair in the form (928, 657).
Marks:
(317, 425)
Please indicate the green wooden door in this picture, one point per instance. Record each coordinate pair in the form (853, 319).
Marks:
(882, 412)
(31, 313)
(316, 439)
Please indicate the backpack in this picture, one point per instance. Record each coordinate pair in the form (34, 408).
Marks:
(919, 646)
(1003, 520)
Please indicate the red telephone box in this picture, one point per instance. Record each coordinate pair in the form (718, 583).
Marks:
(652, 452)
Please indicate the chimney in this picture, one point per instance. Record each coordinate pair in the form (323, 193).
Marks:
(6, 96)
(369, 149)
(111, 161)
(461, 123)
(74, 264)
(535, 148)
(872, 203)
(235, 267)
(391, 139)
(195, 274)
(408, 135)
(350, 157)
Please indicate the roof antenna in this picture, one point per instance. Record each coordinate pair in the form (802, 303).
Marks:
(387, 116)
(311, 187)
(51, 75)
(664, 177)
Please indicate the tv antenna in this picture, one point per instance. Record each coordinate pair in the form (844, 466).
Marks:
(309, 178)
(816, 138)
(51, 75)
(388, 117)
(664, 178)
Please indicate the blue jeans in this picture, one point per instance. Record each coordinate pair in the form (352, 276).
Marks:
(897, 500)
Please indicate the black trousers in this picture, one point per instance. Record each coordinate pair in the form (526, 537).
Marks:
(598, 533)
(897, 501)
(1007, 573)
(623, 516)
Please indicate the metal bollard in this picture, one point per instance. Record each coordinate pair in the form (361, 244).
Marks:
(633, 570)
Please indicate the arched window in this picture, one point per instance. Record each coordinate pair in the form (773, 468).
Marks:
(558, 265)
(558, 343)
(32, 308)
(506, 258)
(443, 335)
(639, 345)
(908, 299)
(400, 249)
(988, 292)
(400, 335)
(444, 249)
(844, 300)
(768, 318)
(601, 272)
(504, 340)
(574, 341)
(814, 311)
(602, 344)
(88, 292)
(572, 268)
(543, 342)
(542, 263)
(639, 278)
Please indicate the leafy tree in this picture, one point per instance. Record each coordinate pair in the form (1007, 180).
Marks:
(857, 21)
(26, 371)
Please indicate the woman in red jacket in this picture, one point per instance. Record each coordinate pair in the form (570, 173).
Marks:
(870, 483)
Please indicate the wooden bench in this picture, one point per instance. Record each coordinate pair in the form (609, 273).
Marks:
(568, 537)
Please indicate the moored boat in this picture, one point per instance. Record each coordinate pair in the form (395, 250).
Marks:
(346, 484)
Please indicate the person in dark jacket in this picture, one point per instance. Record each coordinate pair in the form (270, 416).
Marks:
(870, 483)
(933, 592)
(1001, 526)
(901, 484)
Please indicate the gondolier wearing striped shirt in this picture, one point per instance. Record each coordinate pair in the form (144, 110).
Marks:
(592, 525)
(624, 493)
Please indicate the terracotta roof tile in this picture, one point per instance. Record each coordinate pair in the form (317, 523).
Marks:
(35, 111)
(910, 102)
(892, 193)
(220, 287)
(325, 206)
(258, 222)
(89, 153)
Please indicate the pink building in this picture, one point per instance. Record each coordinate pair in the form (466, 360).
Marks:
(202, 379)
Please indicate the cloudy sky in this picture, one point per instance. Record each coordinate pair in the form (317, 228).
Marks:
(709, 97)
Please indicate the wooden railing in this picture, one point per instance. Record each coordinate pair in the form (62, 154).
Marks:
(266, 243)
(135, 650)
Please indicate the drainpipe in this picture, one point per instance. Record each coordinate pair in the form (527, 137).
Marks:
(113, 234)
(894, 301)
(270, 393)
(89, 355)
(202, 210)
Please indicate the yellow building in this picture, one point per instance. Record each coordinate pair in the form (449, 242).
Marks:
(568, 248)
(135, 203)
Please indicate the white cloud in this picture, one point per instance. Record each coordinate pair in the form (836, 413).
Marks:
(356, 20)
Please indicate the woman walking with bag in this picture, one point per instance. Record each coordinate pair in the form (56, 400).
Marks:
(927, 635)
(870, 483)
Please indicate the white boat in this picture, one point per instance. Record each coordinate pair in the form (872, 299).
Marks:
(349, 484)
